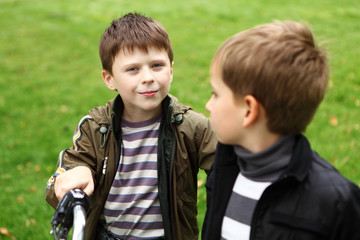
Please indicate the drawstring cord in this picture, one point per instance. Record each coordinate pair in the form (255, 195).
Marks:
(103, 131)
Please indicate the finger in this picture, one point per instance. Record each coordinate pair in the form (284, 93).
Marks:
(89, 189)
(62, 186)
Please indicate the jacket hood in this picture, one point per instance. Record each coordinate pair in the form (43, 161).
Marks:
(178, 108)
(102, 114)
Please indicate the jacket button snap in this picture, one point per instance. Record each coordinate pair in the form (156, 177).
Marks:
(103, 130)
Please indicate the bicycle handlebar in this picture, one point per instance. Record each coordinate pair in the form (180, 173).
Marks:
(79, 222)
(70, 210)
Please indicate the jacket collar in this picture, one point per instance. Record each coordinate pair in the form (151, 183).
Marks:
(116, 113)
(301, 159)
(172, 112)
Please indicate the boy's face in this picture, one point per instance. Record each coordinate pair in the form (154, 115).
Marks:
(142, 80)
(226, 114)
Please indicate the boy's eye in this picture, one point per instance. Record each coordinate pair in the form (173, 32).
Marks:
(157, 65)
(132, 69)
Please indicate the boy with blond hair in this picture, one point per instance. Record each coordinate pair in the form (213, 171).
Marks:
(138, 156)
(266, 182)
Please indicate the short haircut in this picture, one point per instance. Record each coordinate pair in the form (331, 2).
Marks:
(131, 31)
(282, 67)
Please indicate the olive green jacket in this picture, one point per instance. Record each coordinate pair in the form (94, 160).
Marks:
(186, 144)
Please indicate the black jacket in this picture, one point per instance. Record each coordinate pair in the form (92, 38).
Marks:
(311, 200)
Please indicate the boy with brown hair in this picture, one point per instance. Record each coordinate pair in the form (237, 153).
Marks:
(138, 156)
(266, 182)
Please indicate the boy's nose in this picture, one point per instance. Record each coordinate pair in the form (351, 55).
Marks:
(207, 106)
(148, 77)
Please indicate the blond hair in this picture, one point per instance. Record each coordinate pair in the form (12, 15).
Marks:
(282, 67)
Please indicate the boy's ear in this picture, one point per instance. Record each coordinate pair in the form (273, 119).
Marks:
(252, 110)
(171, 73)
(108, 80)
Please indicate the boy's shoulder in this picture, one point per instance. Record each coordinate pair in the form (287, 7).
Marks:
(329, 181)
(186, 115)
(177, 106)
(102, 114)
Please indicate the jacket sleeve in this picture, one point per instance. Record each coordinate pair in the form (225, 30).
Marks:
(209, 187)
(347, 224)
(206, 141)
(82, 153)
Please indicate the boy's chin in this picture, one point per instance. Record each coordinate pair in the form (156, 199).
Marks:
(223, 141)
(227, 141)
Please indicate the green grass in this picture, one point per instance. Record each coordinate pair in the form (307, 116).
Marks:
(50, 78)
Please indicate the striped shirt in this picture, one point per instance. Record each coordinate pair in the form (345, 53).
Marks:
(132, 209)
(245, 195)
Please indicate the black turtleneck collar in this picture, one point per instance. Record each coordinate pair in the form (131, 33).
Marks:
(267, 165)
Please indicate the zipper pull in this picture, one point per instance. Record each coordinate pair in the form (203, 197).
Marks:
(105, 165)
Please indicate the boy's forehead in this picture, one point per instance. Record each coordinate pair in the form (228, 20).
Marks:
(135, 54)
(215, 69)
(215, 77)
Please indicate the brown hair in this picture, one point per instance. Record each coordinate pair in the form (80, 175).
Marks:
(131, 31)
(282, 67)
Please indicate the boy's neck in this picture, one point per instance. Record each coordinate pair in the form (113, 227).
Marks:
(140, 116)
(257, 137)
(260, 140)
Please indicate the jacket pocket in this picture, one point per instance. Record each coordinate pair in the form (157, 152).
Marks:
(293, 223)
(187, 211)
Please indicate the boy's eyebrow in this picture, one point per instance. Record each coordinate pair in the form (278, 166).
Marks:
(130, 64)
(151, 61)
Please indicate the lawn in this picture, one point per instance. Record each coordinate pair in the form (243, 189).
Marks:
(50, 77)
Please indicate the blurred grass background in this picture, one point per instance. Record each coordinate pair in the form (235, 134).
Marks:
(50, 77)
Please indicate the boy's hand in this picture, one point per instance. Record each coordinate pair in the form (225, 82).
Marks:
(78, 177)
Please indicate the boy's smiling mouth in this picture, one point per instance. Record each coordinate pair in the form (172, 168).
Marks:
(148, 93)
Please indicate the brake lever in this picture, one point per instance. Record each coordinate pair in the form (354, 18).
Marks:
(64, 212)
